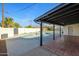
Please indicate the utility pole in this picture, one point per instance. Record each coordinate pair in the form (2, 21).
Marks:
(2, 15)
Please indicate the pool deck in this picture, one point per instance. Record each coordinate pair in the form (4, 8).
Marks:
(39, 51)
(23, 44)
(24, 47)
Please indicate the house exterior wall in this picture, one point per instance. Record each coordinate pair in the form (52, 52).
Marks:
(71, 34)
(71, 30)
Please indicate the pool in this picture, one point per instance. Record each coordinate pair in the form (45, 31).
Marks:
(36, 35)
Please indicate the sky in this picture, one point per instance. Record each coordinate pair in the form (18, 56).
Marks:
(25, 13)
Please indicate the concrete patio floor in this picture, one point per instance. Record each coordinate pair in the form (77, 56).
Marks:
(68, 46)
(39, 51)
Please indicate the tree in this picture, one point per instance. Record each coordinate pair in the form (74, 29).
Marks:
(29, 26)
(8, 22)
(49, 28)
(16, 25)
(0, 25)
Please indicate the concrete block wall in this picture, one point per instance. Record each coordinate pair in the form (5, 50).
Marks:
(10, 31)
(27, 30)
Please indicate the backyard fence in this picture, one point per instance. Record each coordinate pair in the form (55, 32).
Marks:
(11, 32)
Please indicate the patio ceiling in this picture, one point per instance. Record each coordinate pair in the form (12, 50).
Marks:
(63, 14)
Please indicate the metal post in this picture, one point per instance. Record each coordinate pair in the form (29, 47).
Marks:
(60, 31)
(53, 32)
(41, 43)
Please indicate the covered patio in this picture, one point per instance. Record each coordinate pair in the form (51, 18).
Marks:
(66, 16)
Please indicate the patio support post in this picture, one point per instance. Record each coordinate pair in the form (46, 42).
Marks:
(41, 43)
(60, 31)
(53, 31)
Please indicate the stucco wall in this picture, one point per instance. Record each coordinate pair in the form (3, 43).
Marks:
(10, 31)
(74, 30)
(27, 30)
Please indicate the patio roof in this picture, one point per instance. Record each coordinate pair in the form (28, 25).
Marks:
(63, 14)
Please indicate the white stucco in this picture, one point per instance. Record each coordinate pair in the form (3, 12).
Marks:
(27, 30)
(73, 31)
(10, 31)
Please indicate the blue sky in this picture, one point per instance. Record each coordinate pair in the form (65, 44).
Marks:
(25, 13)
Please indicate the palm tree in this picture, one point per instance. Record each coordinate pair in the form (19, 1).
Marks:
(17, 25)
(0, 25)
(8, 22)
